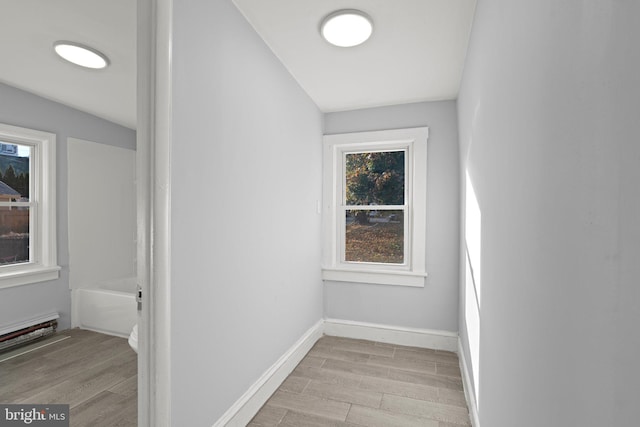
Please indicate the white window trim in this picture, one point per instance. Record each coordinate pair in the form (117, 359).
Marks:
(43, 265)
(413, 272)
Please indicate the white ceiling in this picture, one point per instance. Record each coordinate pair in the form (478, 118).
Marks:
(416, 52)
(28, 29)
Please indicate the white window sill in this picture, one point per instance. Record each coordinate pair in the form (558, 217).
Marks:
(27, 275)
(379, 277)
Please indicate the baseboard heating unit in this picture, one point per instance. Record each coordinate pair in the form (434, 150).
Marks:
(28, 331)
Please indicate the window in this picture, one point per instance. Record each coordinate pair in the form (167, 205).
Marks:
(27, 206)
(375, 207)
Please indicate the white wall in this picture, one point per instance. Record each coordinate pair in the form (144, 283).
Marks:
(436, 305)
(548, 116)
(20, 108)
(102, 213)
(245, 234)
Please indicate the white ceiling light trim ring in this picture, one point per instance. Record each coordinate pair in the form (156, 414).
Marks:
(346, 28)
(81, 55)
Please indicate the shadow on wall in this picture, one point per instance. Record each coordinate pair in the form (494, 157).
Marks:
(473, 239)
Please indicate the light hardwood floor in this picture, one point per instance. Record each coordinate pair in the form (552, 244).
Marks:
(348, 383)
(95, 374)
(341, 382)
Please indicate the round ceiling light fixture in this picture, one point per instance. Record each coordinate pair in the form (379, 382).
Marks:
(346, 28)
(81, 55)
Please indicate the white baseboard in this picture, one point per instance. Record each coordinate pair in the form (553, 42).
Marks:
(468, 387)
(423, 338)
(252, 400)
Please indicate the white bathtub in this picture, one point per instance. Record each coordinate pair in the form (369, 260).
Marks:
(110, 308)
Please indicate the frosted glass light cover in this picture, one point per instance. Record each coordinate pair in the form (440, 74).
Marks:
(81, 55)
(346, 28)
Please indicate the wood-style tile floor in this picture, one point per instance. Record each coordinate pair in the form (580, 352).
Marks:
(348, 383)
(95, 374)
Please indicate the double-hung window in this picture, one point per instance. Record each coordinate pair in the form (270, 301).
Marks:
(374, 201)
(27, 206)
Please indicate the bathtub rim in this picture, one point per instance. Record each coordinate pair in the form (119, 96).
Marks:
(76, 321)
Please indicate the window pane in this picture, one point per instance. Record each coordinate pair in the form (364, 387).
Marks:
(14, 172)
(374, 236)
(374, 178)
(14, 235)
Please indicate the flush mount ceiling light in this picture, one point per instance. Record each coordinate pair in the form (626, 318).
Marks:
(81, 55)
(346, 28)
